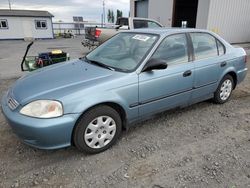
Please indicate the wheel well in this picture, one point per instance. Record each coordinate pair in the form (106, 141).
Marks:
(115, 106)
(120, 110)
(234, 76)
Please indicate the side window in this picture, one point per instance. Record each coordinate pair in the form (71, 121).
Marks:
(152, 24)
(173, 49)
(204, 45)
(140, 24)
(41, 24)
(122, 21)
(3, 24)
(221, 48)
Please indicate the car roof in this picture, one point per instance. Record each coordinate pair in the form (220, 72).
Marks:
(167, 30)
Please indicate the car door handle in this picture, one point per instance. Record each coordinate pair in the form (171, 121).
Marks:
(187, 73)
(223, 64)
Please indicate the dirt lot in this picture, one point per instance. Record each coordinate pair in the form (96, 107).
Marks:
(204, 145)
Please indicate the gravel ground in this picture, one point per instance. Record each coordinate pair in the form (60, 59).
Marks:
(204, 145)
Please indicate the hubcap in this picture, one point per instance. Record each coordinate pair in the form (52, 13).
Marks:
(100, 132)
(226, 89)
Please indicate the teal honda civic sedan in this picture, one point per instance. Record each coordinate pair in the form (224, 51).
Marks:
(87, 102)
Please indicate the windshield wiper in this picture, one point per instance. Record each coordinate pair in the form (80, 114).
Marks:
(99, 64)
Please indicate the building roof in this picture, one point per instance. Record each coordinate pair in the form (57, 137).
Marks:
(25, 13)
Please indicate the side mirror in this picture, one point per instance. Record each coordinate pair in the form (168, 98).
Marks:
(155, 64)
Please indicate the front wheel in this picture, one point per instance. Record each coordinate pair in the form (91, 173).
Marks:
(97, 129)
(224, 90)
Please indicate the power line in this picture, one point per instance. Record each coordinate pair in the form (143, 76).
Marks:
(9, 4)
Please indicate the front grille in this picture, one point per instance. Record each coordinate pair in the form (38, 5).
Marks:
(12, 103)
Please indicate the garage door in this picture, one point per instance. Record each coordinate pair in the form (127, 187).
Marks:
(141, 9)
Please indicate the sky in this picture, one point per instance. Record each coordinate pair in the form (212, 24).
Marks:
(90, 10)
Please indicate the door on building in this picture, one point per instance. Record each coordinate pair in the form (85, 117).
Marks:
(27, 28)
(184, 10)
(141, 9)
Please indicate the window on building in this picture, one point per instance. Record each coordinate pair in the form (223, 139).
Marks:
(3, 24)
(173, 50)
(41, 24)
(204, 45)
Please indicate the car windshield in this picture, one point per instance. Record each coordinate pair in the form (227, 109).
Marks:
(123, 52)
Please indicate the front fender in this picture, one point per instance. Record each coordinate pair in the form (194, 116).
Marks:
(123, 97)
(98, 99)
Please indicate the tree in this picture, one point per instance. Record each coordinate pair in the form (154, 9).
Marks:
(118, 14)
(111, 16)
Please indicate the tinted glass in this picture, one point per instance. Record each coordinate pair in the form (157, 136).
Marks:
(153, 24)
(204, 45)
(122, 21)
(124, 51)
(173, 49)
(140, 24)
(221, 48)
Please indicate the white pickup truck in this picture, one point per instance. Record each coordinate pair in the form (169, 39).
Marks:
(97, 35)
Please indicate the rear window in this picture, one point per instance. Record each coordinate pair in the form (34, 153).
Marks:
(152, 24)
(145, 24)
(140, 24)
(122, 21)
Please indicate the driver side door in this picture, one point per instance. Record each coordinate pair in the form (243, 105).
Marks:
(160, 90)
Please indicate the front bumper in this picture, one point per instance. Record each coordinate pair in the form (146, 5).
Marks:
(51, 133)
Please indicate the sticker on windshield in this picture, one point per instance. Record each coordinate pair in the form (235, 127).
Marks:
(141, 37)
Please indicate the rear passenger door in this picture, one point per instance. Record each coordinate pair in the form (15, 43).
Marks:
(207, 64)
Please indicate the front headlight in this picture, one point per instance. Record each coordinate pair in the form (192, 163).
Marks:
(43, 109)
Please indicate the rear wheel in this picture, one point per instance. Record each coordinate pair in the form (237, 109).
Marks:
(97, 130)
(224, 90)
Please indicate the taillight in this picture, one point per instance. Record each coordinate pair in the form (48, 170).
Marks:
(97, 33)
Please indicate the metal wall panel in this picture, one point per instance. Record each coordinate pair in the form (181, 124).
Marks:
(230, 19)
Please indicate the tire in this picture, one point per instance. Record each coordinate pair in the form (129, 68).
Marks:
(224, 90)
(92, 134)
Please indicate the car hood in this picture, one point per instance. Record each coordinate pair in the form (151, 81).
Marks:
(58, 80)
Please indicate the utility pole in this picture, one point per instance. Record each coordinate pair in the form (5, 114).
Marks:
(9, 4)
(104, 15)
(102, 20)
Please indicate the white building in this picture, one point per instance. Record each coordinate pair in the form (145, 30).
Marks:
(21, 24)
(228, 18)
